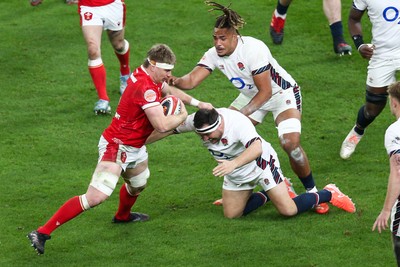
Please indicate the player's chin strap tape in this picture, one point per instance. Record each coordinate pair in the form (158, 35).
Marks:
(210, 128)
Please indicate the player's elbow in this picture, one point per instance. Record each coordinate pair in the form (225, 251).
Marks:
(163, 129)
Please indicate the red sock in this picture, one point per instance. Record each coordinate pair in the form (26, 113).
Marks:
(124, 62)
(126, 201)
(98, 74)
(66, 212)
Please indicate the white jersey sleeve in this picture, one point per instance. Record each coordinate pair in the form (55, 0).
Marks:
(187, 125)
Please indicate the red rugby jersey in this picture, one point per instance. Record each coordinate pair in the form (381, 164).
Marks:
(95, 2)
(130, 125)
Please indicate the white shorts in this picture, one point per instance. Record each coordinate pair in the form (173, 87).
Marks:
(125, 156)
(381, 72)
(265, 180)
(111, 16)
(279, 102)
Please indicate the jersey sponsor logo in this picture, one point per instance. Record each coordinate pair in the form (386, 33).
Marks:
(117, 141)
(240, 84)
(391, 14)
(240, 66)
(88, 15)
(150, 95)
(218, 154)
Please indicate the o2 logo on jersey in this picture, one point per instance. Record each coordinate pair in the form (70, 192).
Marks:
(218, 154)
(240, 84)
(391, 14)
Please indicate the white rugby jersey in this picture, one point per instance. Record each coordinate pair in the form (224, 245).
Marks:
(392, 145)
(239, 133)
(384, 17)
(250, 57)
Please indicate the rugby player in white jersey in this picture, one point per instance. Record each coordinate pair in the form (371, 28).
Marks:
(391, 206)
(384, 61)
(263, 84)
(246, 160)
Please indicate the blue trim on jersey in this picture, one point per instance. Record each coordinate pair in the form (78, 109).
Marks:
(262, 163)
(261, 70)
(394, 152)
(275, 76)
(396, 219)
(297, 96)
(252, 141)
(206, 67)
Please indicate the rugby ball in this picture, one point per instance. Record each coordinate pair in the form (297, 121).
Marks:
(171, 105)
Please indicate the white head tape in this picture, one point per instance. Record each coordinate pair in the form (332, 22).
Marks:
(164, 66)
(210, 128)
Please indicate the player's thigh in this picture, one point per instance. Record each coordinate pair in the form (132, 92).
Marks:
(92, 35)
(382, 73)
(234, 202)
(138, 169)
(281, 200)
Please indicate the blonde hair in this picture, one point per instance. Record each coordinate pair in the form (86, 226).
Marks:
(160, 53)
(394, 90)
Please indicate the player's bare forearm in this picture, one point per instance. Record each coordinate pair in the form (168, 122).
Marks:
(156, 135)
(249, 154)
(192, 79)
(258, 100)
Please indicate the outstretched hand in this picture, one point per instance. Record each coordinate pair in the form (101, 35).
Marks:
(205, 105)
(381, 222)
(171, 80)
(224, 167)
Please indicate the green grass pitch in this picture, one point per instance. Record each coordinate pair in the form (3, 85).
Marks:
(49, 135)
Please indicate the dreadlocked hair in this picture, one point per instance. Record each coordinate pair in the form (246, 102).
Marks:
(230, 19)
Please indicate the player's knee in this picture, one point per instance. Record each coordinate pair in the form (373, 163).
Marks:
(297, 154)
(137, 183)
(121, 47)
(105, 182)
(379, 102)
(288, 211)
(232, 214)
(93, 51)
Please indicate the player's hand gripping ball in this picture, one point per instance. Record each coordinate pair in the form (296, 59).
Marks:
(171, 105)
